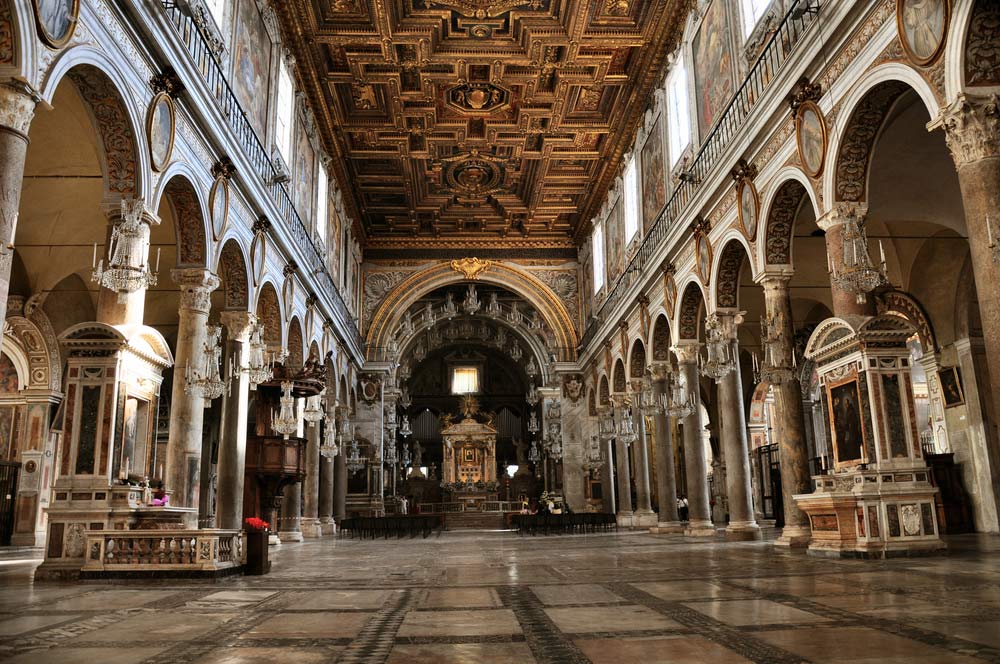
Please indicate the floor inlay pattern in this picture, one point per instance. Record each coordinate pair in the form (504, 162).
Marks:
(494, 597)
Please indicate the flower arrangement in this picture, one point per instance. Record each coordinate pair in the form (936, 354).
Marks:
(253, 523)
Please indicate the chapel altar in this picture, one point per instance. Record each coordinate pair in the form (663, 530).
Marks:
(469, 468)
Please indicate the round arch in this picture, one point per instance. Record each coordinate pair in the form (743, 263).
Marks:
(782, 204)
(726, 280)
(637, 359)
(296, 345)
(620, 382)
(188, 210)
(416, 286)
(268, 308)
(690, 309)
(659, 340)
(231, 266)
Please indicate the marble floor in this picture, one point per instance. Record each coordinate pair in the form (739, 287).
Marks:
(499, 598)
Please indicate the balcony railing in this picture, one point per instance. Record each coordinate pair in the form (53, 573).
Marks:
(208, 64)
(775, 52)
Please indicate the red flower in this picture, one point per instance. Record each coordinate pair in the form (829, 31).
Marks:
(253, 523)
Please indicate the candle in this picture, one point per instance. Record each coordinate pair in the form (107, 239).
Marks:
(822, 460)
(829, 263)
(13, 232)
(881, 251)
(161, 472)
(158, 259)
(95, 256)
(126, 467)
(989, 232)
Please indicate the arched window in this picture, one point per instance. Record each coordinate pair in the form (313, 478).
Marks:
(286, 113)
(322, 208)
(678, 112)
(598, 252)
(218, 10)
(752, 11)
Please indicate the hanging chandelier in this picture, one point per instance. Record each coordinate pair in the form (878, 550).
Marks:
(471, 304)
(404, 429)
(626, 427)
(404, 398)
(516, 353)
(406, 460)
(718, 361)
(533, 455)
(329, 448)
(128, 266)
(682, 402)
(285, 422)
(258, 368)
(533, 424)
(355, 461)
(606, 423)
(448, 309)
(771, 369)
(649, 402)
(533, 396)
(312, 412)
(594, 458)
(531, 369)
(515, 316)
(493, 308)
(204, 379)
(856, 273)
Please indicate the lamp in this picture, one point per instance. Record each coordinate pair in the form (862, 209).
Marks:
(404, 430)
(493, 308)
(355, 461)
(532, 397)
(682, 403)
(312, 412)
(205, 379)
(285, 422)
(856, 273)
(718, 361)
(329, 448)
(533, 424)
(258, 369)
(128, 266)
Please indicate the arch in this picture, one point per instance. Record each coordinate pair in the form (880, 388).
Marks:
(605, 393)
(786, 200)
(189, 221)
(660, 341)
(620, 382)
(342, 391)
(689, 310)
(313, 354)
(269, 314)
(977, 44)
(591, 402)
(905, 306)
(856, 131)
(232, 267)
(30, 338)
(100, 84)
(637, 360)
(411, 289)
(296, 345)
(20, 46)
(727, 272)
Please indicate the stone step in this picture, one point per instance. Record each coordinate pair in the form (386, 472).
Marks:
(474, 521)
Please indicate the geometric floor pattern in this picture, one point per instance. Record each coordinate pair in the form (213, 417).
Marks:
(495, 597)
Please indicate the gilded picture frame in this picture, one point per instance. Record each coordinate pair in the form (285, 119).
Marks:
(258, 254)
(847, 426)
(811, 148)
(951, 387)
(703, 257)
(911, 16)
(748, 226)
(160, 137)
(44, 11)
(219, 194)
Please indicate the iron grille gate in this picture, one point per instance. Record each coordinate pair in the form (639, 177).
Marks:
(8, 491)
(769, 480)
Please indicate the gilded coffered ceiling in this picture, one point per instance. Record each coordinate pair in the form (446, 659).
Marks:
(478, 123)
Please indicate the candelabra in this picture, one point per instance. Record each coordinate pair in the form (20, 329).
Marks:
(718, 361)
(856, 273)
(128, 266)
(205, 379)
(285, 421)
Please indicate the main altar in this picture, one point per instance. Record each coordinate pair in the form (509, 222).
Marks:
(469, 468)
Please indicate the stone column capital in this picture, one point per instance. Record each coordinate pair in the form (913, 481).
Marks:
(729, 321)
(660, 371)
(17, 106)
(841, 213)
(196, 285)
(687, 351)
(239, 325)
(971, 128)
(776, 279)
(114, 208)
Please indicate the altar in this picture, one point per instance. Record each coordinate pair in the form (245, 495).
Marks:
(469, 468)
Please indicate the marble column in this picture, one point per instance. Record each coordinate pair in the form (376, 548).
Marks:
(608, 477)
(845, 304)
(742, 525)
(235, 405)
(290, 522)
(792, 449)
(17, 108)
(623, 474)
(116, 308)
(695, 465)
(666, 480)
(972, 131)
(326, 489)
(644, 515)
(310, 485)
(187, 410)
(340, 486)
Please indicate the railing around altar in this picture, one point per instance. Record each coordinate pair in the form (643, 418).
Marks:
(206, 550)
(441, 508)
(500, 506)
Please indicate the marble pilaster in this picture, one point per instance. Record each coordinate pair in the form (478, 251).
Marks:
(235, 405)
(695, 465)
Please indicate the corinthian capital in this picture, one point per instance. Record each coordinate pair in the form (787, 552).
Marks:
(841, 213)
(17, 107)
(196, 285)
(971, 128)
(687, 352)
(239, 324)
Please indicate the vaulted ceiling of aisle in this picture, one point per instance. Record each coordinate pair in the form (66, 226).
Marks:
(478, 123)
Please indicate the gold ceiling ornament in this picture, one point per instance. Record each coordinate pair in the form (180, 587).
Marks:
(471, 267)
(484, 8)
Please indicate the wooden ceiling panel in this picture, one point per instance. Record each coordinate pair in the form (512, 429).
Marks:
(493, 123)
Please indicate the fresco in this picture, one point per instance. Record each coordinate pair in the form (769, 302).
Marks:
(302, 175)
(654, 190)
(713, 66)
(252, 64)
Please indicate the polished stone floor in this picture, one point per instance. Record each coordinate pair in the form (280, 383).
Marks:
(498, 598)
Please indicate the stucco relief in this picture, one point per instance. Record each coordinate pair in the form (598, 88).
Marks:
(859, 139)
(778, 242)
(188, 219)
(982, 46)
(728, 277)
(563, 283)
(688, 319)
(232, 269)
(6, 33)
(377, 286)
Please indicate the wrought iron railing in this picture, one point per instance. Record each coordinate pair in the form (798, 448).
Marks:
(775, 52)
(207, 62)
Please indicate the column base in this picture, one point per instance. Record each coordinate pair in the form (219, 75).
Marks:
(625, 519)
(701, 528)
(667, 527)
(273, 539)
(644, 519)
(794, 537)
(742, 531)
(291, 536)
(312, 528)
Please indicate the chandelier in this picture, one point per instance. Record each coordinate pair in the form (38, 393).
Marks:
(531, 369)
(406, 460)
(682, 402)
(533, 454)
(771, 370)
(390, 457)
(285, 421)
(515, 352)
(594, 458)
(471, 304)
(205, 380)
(493, 308)
(329, 448)
(355, 461)
(312, 412)
(626, 427)
(532, 397)
(515, 316)
(258, 369)
(404, 429)
(649, 402)
(404, 398)
(606, 423)
(128, 267)
(448, 308)
(718, 361)
(856, 273)
(533, 424)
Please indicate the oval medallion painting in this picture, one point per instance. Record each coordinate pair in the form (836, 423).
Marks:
(922, 26)
(704, 258)
(160, 130)
(218, 203)
(56, 20)
(810, 135)
(748, 209)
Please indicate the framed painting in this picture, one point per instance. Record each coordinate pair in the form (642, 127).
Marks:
(251, 63)
(951, 387)
(922, 26)
(749, 208)
(714, 65)
(654, 188)
(258, 253)
(56, 20)
(846, 422)
(218, 205)
(811, 138)
(614, 242)
(703, 249)
(160, 125)
(302, 174)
